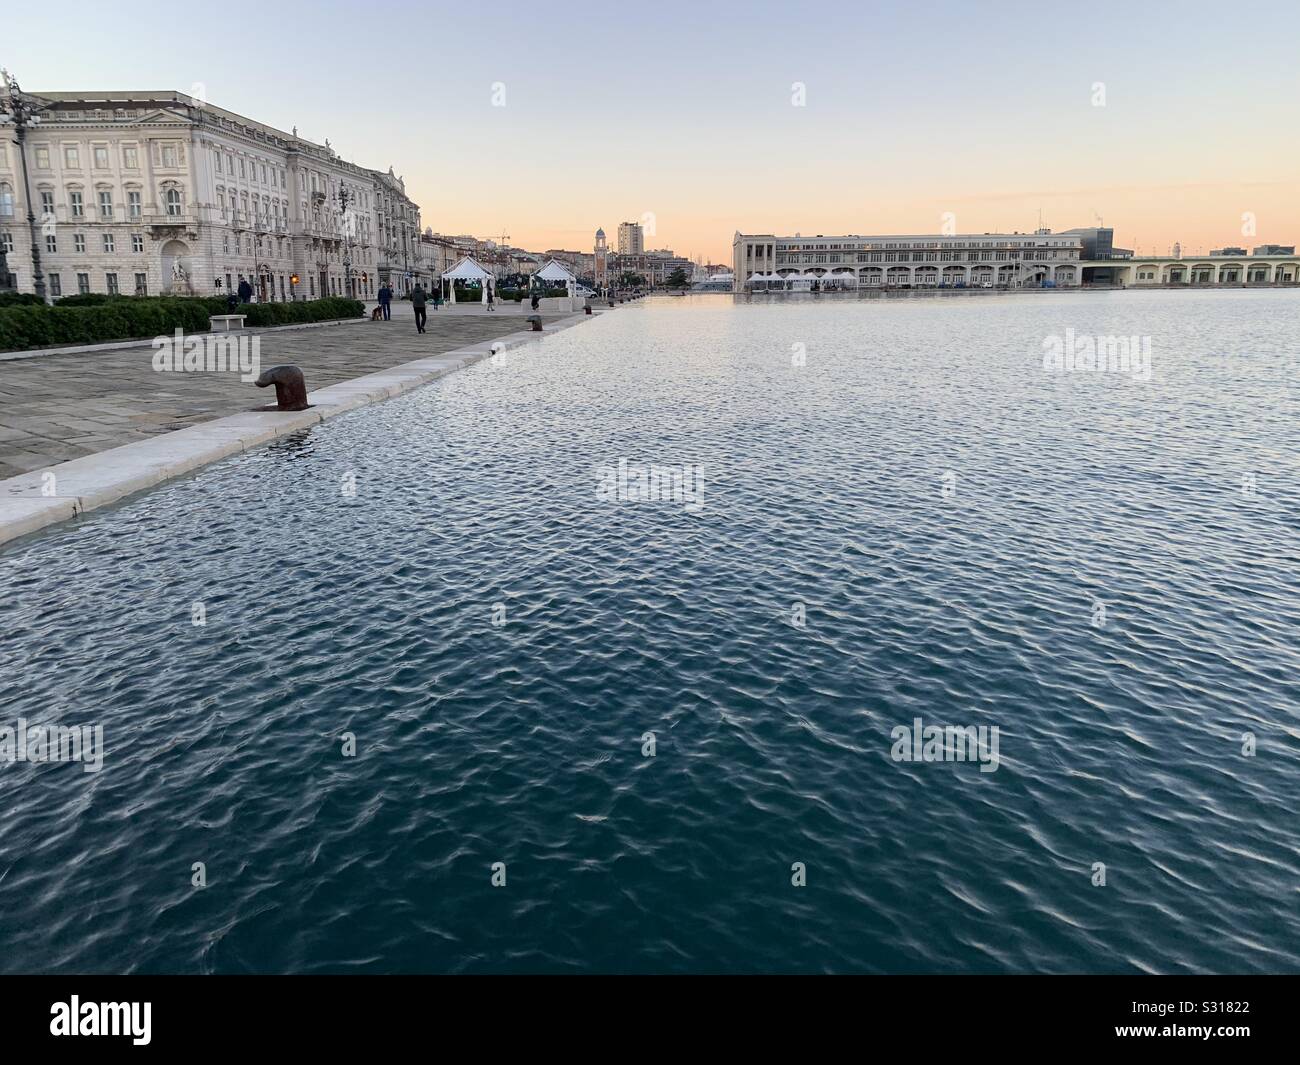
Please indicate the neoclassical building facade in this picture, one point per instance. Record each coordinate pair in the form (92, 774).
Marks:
(908, 260)
(157, 193)
(767, 263)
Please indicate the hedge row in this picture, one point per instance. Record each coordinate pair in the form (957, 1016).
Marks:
(321, 310)
(15, 299)
(130, 318)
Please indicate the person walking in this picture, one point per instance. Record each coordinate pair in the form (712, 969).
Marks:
(418, 300)
(491, 304)
(245, 290)
(385, 301)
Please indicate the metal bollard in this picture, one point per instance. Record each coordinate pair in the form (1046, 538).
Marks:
(290, 387)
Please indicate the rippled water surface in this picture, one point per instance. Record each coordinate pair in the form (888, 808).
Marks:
(949, 515)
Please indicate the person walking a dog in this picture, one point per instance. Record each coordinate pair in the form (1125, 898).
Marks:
(386, 300)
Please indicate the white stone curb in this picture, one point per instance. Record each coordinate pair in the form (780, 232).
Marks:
(96, 480)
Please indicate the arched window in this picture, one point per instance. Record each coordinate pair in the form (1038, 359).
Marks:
(174, 201)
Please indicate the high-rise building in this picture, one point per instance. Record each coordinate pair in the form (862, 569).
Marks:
(631, 238)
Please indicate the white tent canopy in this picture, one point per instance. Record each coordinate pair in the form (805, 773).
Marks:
(557, 271)
(467, 270)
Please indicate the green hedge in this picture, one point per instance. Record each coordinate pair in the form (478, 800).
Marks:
(321, 310)
(131, 317)
(16, 299)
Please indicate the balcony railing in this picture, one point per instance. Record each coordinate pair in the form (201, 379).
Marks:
(187, 216)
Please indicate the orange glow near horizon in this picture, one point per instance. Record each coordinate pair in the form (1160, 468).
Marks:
(1172, 123)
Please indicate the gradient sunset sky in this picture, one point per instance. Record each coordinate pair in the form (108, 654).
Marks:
(684, 111)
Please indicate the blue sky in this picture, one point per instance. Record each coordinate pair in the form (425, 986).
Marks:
(684, 112)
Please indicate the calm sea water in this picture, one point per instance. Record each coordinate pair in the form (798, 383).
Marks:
(950, 517)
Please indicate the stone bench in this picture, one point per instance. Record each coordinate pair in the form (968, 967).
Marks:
(226, 320)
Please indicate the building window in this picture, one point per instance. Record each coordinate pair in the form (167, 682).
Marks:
(106, 206)
(133, 204)
(137, 242)
(71, 158)
(241, 168)
(47, 206)
(7, 243)
(131, 158)
(216, 159)
(101, 157)
(141, 285)
(56, 286)
(6, 201)
(51, 243)
(173, 201)
(78, 242)
(169, 157)
(42, 157)
(78, 209)
(109, 243)
(83, 283)
(110, 280)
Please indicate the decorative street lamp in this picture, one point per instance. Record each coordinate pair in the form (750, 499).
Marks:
(344, 199)
(23, 111)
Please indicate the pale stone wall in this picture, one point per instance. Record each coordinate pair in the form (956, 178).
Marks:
(183, 194)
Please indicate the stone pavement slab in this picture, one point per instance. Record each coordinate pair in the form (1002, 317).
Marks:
(43, 496)
(55, 408)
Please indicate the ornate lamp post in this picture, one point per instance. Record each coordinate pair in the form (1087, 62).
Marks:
(23, 111)
(346, 223)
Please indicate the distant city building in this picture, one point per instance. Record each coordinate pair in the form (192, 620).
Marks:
(766, 263)
(933, 259)
(631, 238)
(1098, 243)
(656, 267)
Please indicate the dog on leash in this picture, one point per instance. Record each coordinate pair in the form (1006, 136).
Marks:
(376, 314)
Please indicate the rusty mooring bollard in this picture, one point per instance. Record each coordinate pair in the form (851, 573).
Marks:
(535, 320)
(290, 387)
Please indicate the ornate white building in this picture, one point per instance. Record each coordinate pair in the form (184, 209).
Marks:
(158, 192)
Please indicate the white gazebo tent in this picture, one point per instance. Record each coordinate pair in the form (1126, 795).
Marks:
(557, 271)
(466, 270)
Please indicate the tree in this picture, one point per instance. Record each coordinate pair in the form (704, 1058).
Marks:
(628, 279)
(677, 279)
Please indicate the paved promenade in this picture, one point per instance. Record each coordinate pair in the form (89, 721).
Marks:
(54, 408)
